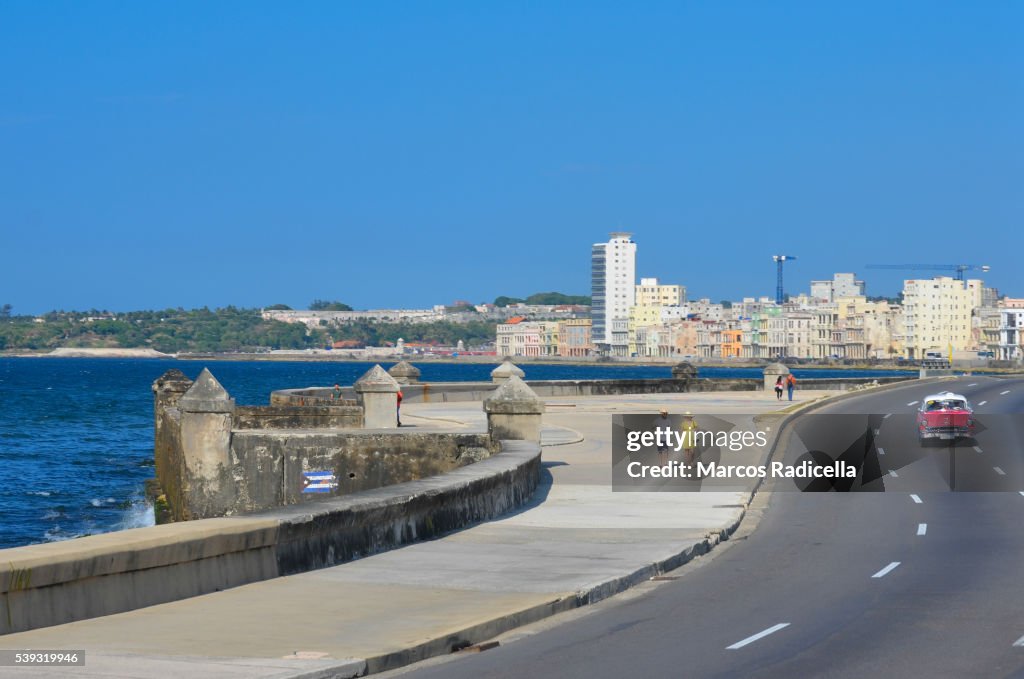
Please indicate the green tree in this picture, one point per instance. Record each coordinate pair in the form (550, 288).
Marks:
(557, 298)
(325, 305)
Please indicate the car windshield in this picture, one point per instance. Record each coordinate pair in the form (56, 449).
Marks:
(946, 404)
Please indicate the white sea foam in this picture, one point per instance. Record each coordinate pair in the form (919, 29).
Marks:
(139, 515)
(55, 535)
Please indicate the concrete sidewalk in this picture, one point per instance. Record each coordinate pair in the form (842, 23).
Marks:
(575, 543)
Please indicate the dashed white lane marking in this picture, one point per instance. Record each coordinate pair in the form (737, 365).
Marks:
(983, 403)
(877, 432)
(887, 416)
(922, 528)
(760, 635)
(885, 571)
(977, 449)
(973, 384)
(912, 403)
(999, 471)
(1004, 393)
(1019, 642)
(917, 500)
(892, 473)
(881, 451)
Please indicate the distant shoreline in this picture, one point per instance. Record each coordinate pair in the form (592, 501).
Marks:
(92, 352)
(328, 357)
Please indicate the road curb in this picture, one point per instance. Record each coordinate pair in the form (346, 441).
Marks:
(577, 438)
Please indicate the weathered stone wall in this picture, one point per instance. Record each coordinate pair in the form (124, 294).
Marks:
(298, 417)
(381, 519)
(56, 583)
(167, 452)
(847, 383)
(445, 392)
(267, 466)
(214, 458)
(313, 396)
(170, 465)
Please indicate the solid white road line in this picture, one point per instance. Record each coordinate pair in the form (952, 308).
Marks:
(917, 500)
(977, 449)
(983, 403)
(1019, 642)
(760, 635)
(999, 471)
(922, 528)
(1004, 393)
(892, 473)
(912, 403)
(885, 571)
(881, 451)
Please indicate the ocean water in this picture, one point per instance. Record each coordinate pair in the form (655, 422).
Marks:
(76, 435)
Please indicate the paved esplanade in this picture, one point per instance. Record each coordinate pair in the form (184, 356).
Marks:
(575, 537)
(912, 582)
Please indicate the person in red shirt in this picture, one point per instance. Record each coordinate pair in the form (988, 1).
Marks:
(398, 414)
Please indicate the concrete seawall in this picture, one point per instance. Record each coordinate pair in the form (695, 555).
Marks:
(453, 392)
(215, 458)
(51, 584)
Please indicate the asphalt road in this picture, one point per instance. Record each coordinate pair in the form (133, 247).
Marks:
(913, 581)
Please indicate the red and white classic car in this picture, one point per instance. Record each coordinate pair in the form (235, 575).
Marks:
(946, 416)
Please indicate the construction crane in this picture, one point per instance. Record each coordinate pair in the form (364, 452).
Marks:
(958, 268)
(779, 261)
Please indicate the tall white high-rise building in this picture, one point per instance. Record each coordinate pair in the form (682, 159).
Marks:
(612, 285)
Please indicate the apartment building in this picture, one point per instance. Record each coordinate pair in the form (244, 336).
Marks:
(938, 314)
(641, 317)
(650, 293)
(1011, 334)
(841, 285)
(612, 287)
(574, 338)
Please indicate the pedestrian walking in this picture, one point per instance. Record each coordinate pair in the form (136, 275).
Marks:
(663, 423)
(778, 388)
(689, 439)
(398, 411)
(790, 385)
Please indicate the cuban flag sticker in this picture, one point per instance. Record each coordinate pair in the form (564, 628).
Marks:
(319, 482)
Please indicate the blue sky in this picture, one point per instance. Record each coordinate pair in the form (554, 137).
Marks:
(405, 154)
